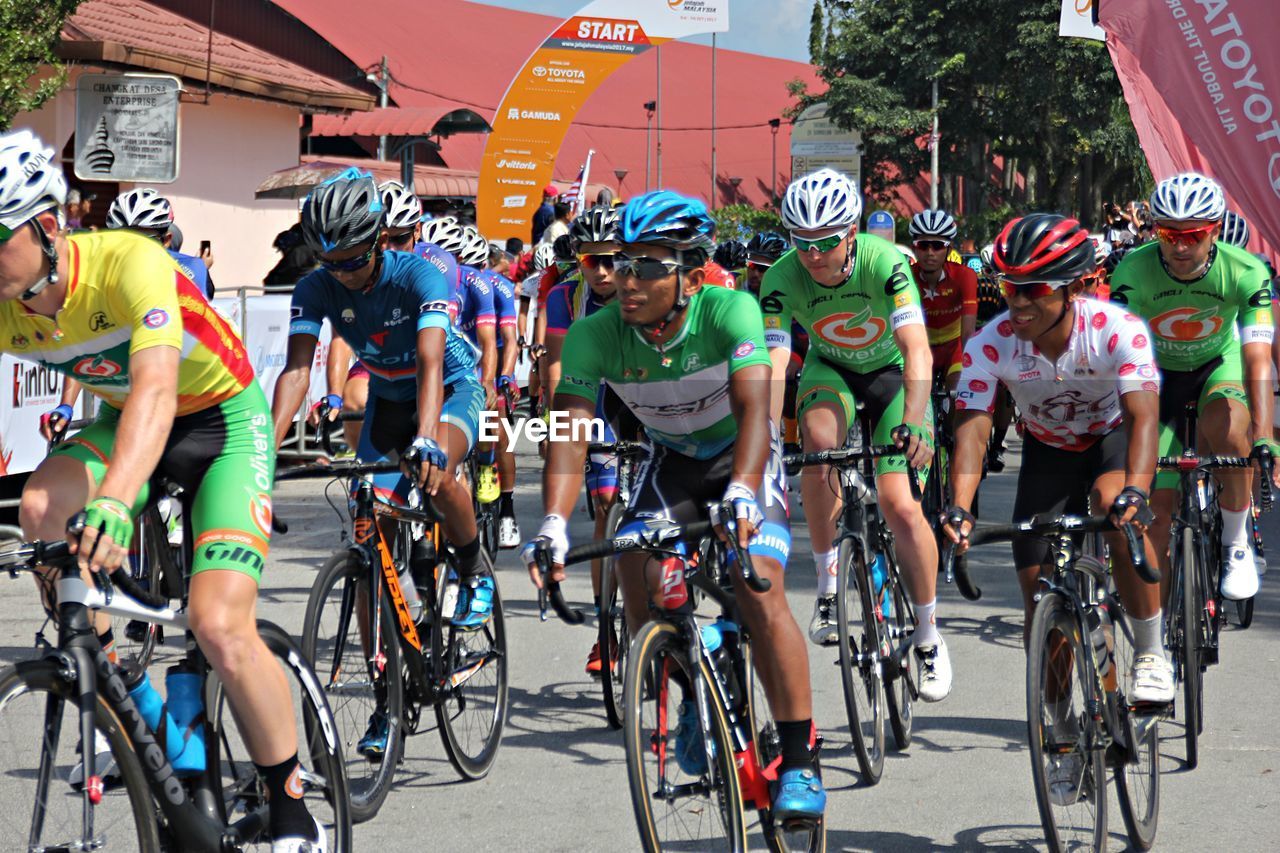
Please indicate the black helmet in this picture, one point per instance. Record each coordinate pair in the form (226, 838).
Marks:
(564, 248)
(731, 254)
(596, 225)
(1044, 247)
(343, 212)
(766, 246)
(1113, 260)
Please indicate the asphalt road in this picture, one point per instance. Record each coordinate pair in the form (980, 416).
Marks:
(965, 784)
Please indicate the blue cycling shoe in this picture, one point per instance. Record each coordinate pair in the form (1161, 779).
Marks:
(374, 743)
(475, 602)
(798, 795)
(691, 755)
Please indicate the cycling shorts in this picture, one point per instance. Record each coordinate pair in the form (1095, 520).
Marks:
(880, 391)
(224, 459)
(391, 425)
(357, 371)
(1221, 378)
(946, 357)
(1054, 481)
(678, 488)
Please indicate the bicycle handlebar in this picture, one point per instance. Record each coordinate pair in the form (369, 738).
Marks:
(1188, 462)
(57, 554)
(550, 593)
(844, 457)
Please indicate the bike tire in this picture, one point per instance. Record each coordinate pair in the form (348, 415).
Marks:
(899, 675)
(1190, 615)
(469, 655)
(612, 630)
(861, 644)
(1055, 623)
(332, 601)
(715, 820)
(1244, 612)
(1137, 783)
(35, 696)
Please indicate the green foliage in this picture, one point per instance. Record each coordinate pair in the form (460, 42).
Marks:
(817, 33)
(1009, 87)
(740, 221)
(29, 31)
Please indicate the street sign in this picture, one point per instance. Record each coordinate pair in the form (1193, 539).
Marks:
(127, 127)
(817, 142)
(880, 223)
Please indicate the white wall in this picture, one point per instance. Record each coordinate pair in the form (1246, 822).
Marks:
(225, 150)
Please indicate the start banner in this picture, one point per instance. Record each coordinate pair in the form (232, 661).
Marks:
(546, 94)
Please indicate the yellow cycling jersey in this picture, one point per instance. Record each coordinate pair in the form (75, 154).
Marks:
(124, 295)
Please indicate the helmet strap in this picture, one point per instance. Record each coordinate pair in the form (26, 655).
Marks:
(377, 269)
(50, 254)
(677, 307)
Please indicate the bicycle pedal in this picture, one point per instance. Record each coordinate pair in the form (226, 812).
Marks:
(1163, 710)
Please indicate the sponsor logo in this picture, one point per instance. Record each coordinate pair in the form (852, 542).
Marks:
(979, 386)
(260, 512)
(1004, 329)
(364, 530)
(1187, 324)
(96, 366)
(155, 318)
(34, 383)
(773, 322)
(438, 305)
(693, 361)
(543, 72)
(1028, 375)
(222, 552)
(524, 165)
(990, 352)
(517, 182)
(1261, 299)
(19, 341)
(608, 30)
(1026, 362)
(348, 316)
(295, 312)
(744, 349)
(514, 201)
(98, 322)
(771, 305)
(517, 114)
(897, 283)
(1273, 173)
(379, 338)
(1147, 371)
(902, 300)
(850, 331)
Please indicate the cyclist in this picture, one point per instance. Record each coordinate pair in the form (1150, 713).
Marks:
(504, 306)
(1084, 375)
(690, 363)
(149, 213)
(1208, 304)
(854, 295)
(424, 398)
(1235, 229)
(990, 305)
(180, 401)
(595, 240)
(727, 264)
(763, 251)
(948, 291)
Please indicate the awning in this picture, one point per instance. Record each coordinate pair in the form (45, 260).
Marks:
(401, 121)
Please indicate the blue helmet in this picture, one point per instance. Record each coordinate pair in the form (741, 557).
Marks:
(343, 212)
(669, 219)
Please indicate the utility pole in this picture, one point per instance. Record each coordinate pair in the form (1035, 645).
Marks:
(649, 107)
(933, 152)
(381, 81)
(711, 197)
(774, 124)
(658, 100)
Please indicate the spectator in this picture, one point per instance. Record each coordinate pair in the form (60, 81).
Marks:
(1120, 228)
(515, 246)
(545, 214)
(604, 198)
(560, 225)
(296, 260)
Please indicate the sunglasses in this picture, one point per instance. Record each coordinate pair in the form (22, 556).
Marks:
(823, 244)
(931, 245)
(350, 264)
(645, 269)
(758, 266)
(6, 232)
(1183, 236)
(400, 239)
(1030, 289)
(594, 262)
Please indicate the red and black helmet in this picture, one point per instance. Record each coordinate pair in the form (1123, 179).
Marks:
(1044, 247)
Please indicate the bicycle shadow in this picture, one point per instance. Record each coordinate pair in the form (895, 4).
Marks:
(993, 837)
(998, 629)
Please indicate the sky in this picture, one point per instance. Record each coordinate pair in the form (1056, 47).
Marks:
(767, 27)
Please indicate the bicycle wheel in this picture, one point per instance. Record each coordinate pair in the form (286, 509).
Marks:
(612, 630)
(472, 705)
(861, 646)
(1189, 616)
(1137, 782)
(241, 791)
(676, 809)
(1068, 773)
(899, 675)
(41, 805)
(358, 685)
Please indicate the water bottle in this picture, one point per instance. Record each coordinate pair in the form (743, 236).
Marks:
(410, 591)
(717, 639)
(672, 593)
(1101, 634)
(186, 709)
(151, 707)
(879, 576)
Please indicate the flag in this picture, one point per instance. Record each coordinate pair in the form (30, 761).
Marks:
(1221, 77)
(576, 194)
(1078, 20)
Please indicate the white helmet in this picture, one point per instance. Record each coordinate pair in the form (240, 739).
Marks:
(31, 180)
(823, 199)
(987, 253)
(143, 208)
(475, 252)
(1235, 229)
(937, 224)
(446, 233)
(543, 256)
(403, 209)
(1188, 196)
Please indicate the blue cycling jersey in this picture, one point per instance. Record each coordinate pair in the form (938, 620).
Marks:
(195, 270)
(567, 301)
(474, 301)
(381, 323)
(440, 259)
(504, 300)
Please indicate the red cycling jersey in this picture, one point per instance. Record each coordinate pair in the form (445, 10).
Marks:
(945, 303)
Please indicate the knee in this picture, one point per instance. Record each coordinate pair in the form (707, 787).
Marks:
(900, 510)
(226, 637)
(40, 515)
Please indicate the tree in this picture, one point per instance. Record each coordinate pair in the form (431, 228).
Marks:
(741, 221)
(1049, 108)
(817, 33)
(29, 31)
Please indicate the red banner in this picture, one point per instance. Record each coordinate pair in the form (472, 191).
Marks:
(1202, 79)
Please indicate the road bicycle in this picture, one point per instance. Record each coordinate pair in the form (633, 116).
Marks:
(49, 707)
(375, 656)
(1079, 665)
(669, 658)
(874, 614)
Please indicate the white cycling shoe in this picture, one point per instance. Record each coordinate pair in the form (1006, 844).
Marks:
(823, 630)
(1239, 573)
(296, 844)
(933, 665)
(1152, 680)
(508, 533)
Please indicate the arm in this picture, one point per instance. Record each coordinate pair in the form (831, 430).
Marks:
(487, 334)
(510, 350)
(750, 403)
(917, 370)
(430, 366)
(291, 386)
(973, 431)
(1142, 421)
(336, 367)
(70, 392)
(780, 359)
(145, 422)
(1257, 379)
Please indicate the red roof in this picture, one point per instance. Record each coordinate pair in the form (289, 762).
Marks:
(137, 33)
(435, 66)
